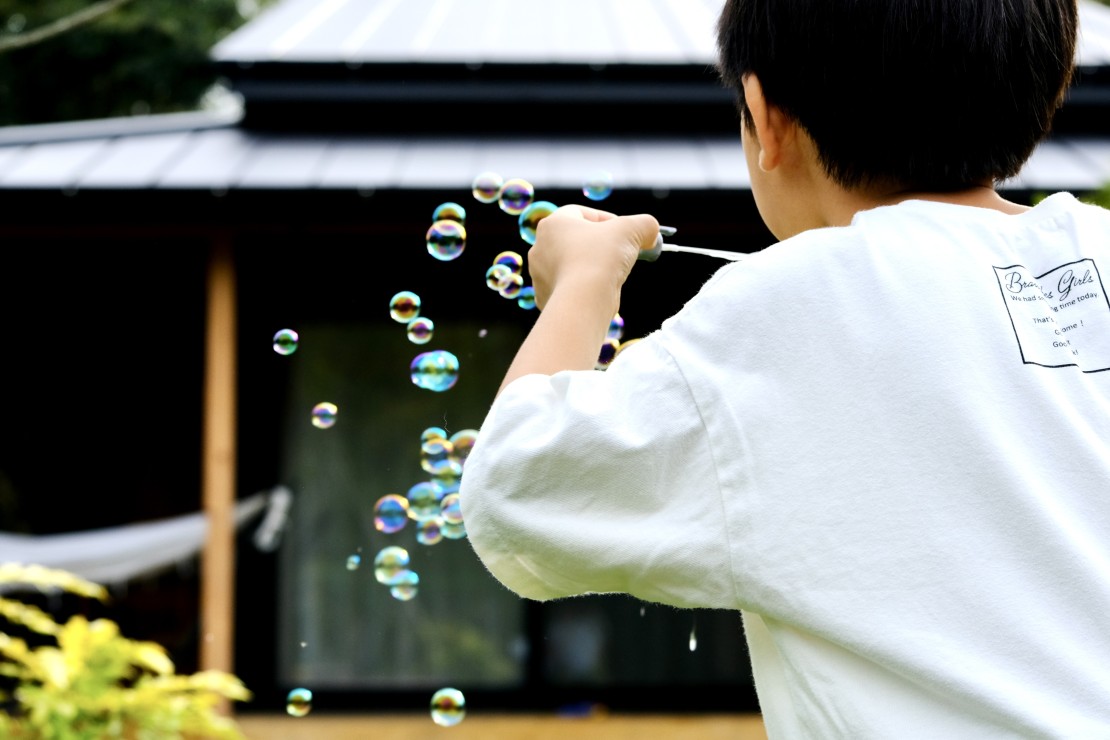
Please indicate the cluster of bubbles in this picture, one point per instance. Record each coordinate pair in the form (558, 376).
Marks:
(404, 308)
(437, 370)
(505, 277)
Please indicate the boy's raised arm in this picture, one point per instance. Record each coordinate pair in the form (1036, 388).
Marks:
(581, 258)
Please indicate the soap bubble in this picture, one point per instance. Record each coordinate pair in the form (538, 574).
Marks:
(285, 342)
(608, 353)
(487, 187)
(510, 259)
(462, 442)
(390, 563)
(435, 455)
(353, 562)
(497, 275)
(453, 531)
(452, 511)
(616, 328)
(447, 481)
(406, 586)
(531, 217)
(404, 306)
(527, 298)
(512, 286)
(423, 501)
(516, 195)
(391, 513)
(433, 433)
(420, 330)
(448, 707)
(598, 185)
(323, 415)
(429, 532)
(299, 702)
(435, 371)
(446, 240)
(449, 212)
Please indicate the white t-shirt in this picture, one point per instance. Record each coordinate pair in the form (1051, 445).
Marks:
(887, 444)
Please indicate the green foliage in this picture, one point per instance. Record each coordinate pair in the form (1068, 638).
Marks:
(150, 56)
(88, 682)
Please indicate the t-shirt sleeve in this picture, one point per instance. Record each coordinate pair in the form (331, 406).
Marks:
(600, 482)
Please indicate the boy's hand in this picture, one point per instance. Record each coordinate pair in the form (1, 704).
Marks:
(587, 249)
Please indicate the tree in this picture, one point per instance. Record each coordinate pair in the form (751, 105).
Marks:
(141, 56)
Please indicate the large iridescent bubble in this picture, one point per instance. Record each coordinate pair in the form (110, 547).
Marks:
(598, 185)
(390, 563)
(404, 306)
(446, 240)
(423, 501)
(486, 187)
(324, 415)
(285, 342)
(516, 195)
(531, 217)
(449, 212)
(448, 707)
(391, 513)
(437, 370)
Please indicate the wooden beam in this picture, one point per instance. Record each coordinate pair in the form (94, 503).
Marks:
(217, 578)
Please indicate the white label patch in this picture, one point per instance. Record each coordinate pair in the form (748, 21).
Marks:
(1060, 318)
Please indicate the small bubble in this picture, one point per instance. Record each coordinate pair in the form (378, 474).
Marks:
(323, 415)
(516, 195)
(462, 442)
(608, 353)
(598, 185)
(510, 259)
(420, 330)
(527, 298)
(404, 307)
(616, 328)
(430, 532)
(487, 187)
(353, 562)
(299, 702)
(423, 501)
(390, 563)
(446, 240)
(304, 644)
(693, 639)
(483, 333)
(452, 511)
(531, 217)
(496, 276)
(285, 342)
(436, 455)
(433, 433)
(453, 531)
(406, 586)
(449, 212)
(512, 286)
(391, 513)
(435, 371)
(448, 707)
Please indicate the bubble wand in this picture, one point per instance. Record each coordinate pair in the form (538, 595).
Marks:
(650, 255)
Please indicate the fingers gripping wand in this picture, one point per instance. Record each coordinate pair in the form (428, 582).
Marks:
(650, 255)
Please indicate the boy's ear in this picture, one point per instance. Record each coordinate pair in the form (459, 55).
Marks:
(773, 128)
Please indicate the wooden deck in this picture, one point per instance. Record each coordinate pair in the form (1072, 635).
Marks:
(503, 727)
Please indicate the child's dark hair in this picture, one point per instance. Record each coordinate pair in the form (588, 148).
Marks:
(916, 94)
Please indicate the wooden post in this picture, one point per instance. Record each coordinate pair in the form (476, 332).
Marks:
(217, 577)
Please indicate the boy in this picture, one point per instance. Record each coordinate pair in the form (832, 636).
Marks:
(885, 439)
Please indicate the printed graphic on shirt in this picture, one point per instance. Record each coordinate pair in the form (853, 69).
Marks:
(1061, 318)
